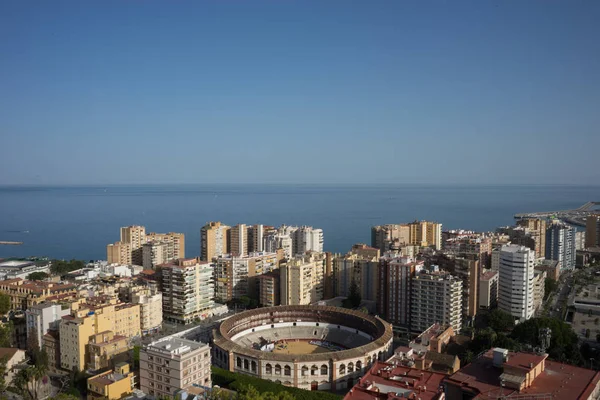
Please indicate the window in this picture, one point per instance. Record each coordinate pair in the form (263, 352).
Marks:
(342, 369)
(314, 370)
(268, 369)
(304, 370)
(323, 369)
(287, 370)
(277, 369)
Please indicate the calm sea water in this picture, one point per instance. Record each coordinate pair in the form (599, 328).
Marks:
(78, 222)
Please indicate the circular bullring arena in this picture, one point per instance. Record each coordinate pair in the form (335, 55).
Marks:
(309, 347)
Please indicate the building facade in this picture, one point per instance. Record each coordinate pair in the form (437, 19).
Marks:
(187, 287)
(560, 244)
(43, 317)
(361, 266)
(302, 279)
(417, 233)
(213, 240)
(592, 231)
(235, 276)
(111, 385)
(536, 229)
(172, 363)
(488, 290)
(468, 272)
(154, 253)
(515, 283)
(436, 298)
(395, 288)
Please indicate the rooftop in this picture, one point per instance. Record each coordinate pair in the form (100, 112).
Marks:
(15, 264)
(386, 381)
(174, 345)
(561, 381)
(486, 276)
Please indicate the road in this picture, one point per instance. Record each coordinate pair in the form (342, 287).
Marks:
(565, 283)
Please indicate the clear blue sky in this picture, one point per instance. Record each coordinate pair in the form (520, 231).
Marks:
(299, 91)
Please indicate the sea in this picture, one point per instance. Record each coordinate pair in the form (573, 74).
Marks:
(78, 222)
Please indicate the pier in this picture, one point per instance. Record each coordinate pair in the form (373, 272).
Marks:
(576, 216)
(11, 243)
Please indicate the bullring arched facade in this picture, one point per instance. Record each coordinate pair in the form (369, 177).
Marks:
(333, 370)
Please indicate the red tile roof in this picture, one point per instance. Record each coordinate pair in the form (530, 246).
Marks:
(562, 381)
(386, 381)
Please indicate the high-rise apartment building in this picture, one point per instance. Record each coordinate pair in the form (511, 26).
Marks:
(239, 240)
(592, 231)
(436, 298)
(235, 277)
(135, 235)
(395, 288)
(269, 289)
(130, 249)
(280, 238)
(474, 246)
(173, 363)
(360, 266)
(213, 240)
(468, 272)
(536, 229)
(515, 284)
(43, 317)
(119, 253)
(539, 278)
(256, 238)
(302, 279)
(488, 290)
(560, 244)
(187, 290)
(175, 242)
(307, 238)
(154, 253)
(417, 233)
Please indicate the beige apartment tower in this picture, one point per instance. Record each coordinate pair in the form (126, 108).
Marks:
(175, 244)
(536, 228)
(213, 240)
(592, 231)
(239, 240)
(417, 233)
(119, 253)
(302, 279)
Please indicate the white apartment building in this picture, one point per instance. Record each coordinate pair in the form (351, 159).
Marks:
(516, 275)
(187, 290)
(436, 298)
(307, 238)
(302, 279)
(281, 238)
(173, 363)
(42, 317)
(560, 244)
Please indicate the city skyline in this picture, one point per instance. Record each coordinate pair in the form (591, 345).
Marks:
(471, 92)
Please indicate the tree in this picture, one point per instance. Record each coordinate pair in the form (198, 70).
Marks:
(60, 267)
(550, 285)
(37, 276)
(29, 382)
(4, 303)
(354, 296)
(6, 333)
(136, 357)
(501, 321)
(3, 369)
(587, 333)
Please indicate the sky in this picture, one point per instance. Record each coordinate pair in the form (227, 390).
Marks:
(452, 92)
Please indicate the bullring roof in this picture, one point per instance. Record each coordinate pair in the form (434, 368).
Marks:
(379, 329)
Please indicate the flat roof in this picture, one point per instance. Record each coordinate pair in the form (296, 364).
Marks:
(175, 345)
(15, 264)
